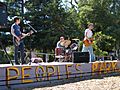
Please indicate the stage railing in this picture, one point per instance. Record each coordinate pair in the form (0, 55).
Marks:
(102, 58)
(46, 56)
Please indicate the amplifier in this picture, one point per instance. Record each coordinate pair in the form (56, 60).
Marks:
(81, 57)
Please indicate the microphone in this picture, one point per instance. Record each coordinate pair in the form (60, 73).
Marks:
(27, 22)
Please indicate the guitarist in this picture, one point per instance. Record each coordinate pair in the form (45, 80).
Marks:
(87, 42)
(17, 35)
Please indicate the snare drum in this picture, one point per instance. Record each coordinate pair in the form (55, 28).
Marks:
(59, 51)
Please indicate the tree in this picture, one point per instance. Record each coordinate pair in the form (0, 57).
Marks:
(105, 15)
(52, 21)
(103, 43)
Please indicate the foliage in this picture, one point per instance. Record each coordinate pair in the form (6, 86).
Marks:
(53, 19)
(102, 44)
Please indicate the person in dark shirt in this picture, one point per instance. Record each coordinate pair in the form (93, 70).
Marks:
(18, 43)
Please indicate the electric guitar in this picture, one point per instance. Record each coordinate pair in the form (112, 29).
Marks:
(17, 42)
(88, 42)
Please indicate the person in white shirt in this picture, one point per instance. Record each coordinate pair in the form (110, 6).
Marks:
(88, 37)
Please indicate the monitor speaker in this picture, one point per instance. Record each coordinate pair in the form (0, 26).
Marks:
(81, 57)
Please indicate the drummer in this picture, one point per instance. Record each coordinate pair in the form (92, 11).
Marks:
(62, 48)
(60, 43)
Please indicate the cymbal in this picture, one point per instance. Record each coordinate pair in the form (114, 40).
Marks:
(65, 43)
(62, 43)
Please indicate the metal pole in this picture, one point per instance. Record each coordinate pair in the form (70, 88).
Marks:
(22, 8)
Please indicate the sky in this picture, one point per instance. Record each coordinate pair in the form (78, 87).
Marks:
(1, 0)
(67, 2)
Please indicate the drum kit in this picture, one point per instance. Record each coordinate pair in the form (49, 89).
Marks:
(67, 51)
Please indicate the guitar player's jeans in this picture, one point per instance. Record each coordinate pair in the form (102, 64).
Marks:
(21, 48)
(90, 50)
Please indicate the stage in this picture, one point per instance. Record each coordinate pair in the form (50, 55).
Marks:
(17, 75)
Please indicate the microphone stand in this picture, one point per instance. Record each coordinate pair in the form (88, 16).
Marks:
(31, 27)
(31, 41)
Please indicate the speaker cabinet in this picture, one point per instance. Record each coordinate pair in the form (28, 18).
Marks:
(81, 57)
(3, 15)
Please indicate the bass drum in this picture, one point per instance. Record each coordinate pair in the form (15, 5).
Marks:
(74, 46)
